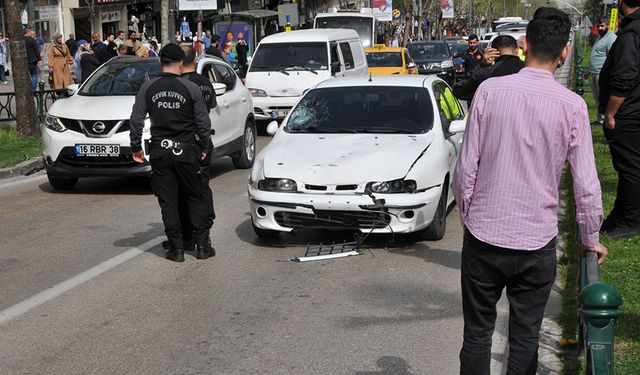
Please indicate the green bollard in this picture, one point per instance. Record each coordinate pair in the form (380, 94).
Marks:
(599, 303)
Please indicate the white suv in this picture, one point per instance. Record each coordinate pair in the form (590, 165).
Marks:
(87, 134)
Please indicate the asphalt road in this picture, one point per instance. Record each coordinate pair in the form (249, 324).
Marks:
(395, 309)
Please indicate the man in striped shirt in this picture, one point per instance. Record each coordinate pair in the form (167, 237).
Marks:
(521, 130)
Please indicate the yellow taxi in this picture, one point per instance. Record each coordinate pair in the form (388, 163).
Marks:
(384, 60)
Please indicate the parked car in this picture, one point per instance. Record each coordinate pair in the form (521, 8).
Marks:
(389, 60)
(286, 64)
(87, 134)
(433, 57)
(371, 154)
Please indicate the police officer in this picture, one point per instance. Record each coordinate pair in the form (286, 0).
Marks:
(180, 131)
(189, 72)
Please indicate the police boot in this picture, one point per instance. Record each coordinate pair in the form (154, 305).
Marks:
(175, 253)
(204, 249)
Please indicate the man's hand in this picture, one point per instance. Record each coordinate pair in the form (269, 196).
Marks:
(610, 121)
(490, 55)
(203, 155)
(138, 156)
(599, 249)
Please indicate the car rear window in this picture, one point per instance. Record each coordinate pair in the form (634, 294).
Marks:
(384, 59)
(121, 77)
(359, 109)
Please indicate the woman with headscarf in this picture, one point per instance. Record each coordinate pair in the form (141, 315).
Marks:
(59, 60)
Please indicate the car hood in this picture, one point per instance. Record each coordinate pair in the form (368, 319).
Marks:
(277, 84)
(93, 107)
(334, 159)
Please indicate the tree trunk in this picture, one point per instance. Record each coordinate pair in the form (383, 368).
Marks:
(164, 23)
(27, 124)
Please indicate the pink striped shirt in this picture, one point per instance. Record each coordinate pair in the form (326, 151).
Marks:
(521, 130)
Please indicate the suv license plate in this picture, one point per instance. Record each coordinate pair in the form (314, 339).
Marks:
(97, 150)
(278, 114)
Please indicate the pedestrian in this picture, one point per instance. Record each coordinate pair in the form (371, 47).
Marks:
(189, 72)
(99, 48)
(226, 54)
(502, 59)
(34, 59)
(521, 130)
(207, 39)
(153, 48)
(120, 39)
(133, 44)
(180, 138)
(599, 51)
(619, 86)
(242, 48)
(472, 56)
(59, 61)
(112, 47)
(77, 69)
(213, 49)
(3, 61)
(88, 62)
(72, 44)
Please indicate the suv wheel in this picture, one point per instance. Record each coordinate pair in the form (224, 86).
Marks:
(62, 183)
(244, 159)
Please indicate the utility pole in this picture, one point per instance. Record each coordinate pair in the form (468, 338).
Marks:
(26, 123)
(164, 23)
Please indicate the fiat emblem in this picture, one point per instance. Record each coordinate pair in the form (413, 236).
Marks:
(98, 127)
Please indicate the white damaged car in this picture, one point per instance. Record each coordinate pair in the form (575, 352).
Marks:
(375, 154)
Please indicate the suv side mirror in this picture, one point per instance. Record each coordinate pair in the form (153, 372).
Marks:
(272, 128)
(335, 67)
(457, 126)
(219, 88)
(72, 89)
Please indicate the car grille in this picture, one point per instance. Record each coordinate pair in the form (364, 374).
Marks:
(87, 127)
(124, 160)
(333, 219)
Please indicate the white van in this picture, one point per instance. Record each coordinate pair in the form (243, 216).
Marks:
(286, 64)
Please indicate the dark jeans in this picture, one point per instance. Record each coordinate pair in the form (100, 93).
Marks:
(207, 204)
(33, 72)
(624, 144)
(528, 277)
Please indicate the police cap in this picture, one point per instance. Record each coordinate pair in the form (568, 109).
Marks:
(172, 52)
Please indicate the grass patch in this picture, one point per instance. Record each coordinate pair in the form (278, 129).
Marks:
(621, 269)
(14, 150)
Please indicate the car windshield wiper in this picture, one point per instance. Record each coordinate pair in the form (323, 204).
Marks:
(383, 130)
(301, 67)
(284, 71)
(314, 129)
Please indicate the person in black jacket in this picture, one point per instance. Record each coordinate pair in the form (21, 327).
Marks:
(180, 138)
(72, 44)
(620, 102)
(213, 49)
(505, 48)
(34, 60)
(242, 49)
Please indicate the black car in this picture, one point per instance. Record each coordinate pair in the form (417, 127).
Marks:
(433, 57)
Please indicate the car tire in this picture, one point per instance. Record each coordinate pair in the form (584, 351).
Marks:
(62, 183)
(435, 230)
(244, 159)
(264, 233)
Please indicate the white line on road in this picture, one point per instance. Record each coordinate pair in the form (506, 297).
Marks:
(67, 285)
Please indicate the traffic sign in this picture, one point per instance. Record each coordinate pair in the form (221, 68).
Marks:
(395, 13)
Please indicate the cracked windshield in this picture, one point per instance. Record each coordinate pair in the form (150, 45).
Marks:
(121, 78)
(401, 110)
(286, 57)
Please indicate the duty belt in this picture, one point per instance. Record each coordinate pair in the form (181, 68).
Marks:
(177, 148)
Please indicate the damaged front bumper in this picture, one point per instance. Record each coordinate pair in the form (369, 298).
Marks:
(378, 213)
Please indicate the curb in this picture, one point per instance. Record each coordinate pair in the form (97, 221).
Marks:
(23, 169)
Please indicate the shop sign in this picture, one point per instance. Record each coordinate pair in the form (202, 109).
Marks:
(198, 4)
(106, 17)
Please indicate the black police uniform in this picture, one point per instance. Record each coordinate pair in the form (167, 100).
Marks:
(187, 229)
(472, 60)
(180, 128)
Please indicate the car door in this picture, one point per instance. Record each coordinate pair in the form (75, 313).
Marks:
(449, 109)
(234, 100)
(222, 116)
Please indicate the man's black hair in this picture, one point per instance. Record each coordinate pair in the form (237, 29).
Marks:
(504, 41)
(166, 61)
(473, 36)
(632, 3)
(548, 33)
(599, 21)
(132, 31)
(189, 55)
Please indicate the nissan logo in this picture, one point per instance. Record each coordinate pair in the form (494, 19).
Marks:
(98, 127)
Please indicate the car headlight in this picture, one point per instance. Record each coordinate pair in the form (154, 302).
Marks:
(147, 125)
(257, 92)
(392, 187)
(278, 184)
(54, 123)
(446, 64)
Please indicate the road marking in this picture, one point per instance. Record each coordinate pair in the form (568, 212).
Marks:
(81, 278)
(22, 180)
